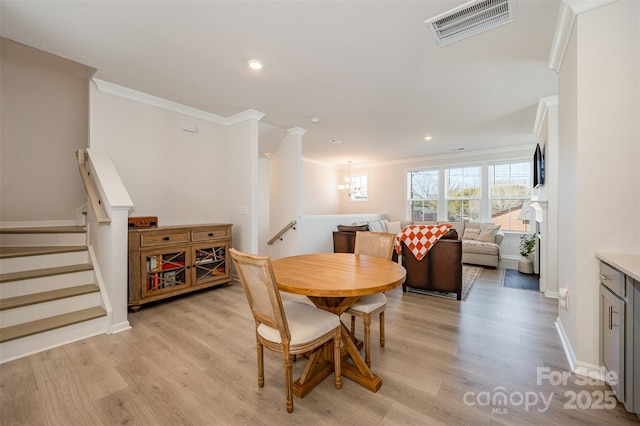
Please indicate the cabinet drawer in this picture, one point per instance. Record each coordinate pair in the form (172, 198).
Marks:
(157, 239)
(209, 234)
(613, 279)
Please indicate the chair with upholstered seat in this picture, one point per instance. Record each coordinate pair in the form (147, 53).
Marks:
(379, 244)
(291, 327)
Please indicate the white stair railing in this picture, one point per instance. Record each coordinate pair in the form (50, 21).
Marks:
(107, 225)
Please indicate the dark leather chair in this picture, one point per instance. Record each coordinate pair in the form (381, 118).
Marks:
(344, 241)
(439, 270)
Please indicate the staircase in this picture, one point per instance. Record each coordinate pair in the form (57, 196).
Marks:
(49, 294)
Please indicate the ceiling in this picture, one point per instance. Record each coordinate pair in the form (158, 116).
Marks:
(370, 70)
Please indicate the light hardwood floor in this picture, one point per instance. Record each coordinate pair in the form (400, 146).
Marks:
(192, 361)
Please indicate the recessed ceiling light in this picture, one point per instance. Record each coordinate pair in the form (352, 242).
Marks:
(427, 138)
(315, 119)
(255, 64)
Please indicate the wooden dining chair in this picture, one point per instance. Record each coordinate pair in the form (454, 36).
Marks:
(379, 244)
(291, 327)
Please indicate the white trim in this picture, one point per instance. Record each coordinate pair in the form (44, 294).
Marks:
(564, 26)
(569, 9)
(374, 216)
(249, 114)
(552, 294)
(297, 131)
(321, 163)
(145, 98)
(117, 328)
(580, 368)
(566, 344)
(581, 6)
(40, 342)
(543, 107)
(461, 155)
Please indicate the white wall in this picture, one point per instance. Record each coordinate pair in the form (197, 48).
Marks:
(263, 206)
(179, 176)
(285, 174)
(599, 156)
(319, 183)
(240, 185)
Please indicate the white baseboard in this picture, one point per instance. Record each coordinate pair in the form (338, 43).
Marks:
(508, 262)
(566, 344)
(551, 294)
(580, 368)
(117, 328)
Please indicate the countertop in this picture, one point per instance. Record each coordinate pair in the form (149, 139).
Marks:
(627, 263)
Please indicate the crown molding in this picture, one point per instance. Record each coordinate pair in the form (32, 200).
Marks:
(249, 114)
(297, 131)
(145, 98)
(569, 9)
(543, 106)
(320, 163)
(461, 156)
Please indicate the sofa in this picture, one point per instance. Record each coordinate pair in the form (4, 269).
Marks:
(480, 241)
(481, 244)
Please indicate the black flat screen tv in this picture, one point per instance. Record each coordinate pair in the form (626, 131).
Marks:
(538, 167)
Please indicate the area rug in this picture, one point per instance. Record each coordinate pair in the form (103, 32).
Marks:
(469, 275)
(515, 279)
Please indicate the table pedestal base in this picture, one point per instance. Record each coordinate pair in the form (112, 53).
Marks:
(304, 385)
(317, 369)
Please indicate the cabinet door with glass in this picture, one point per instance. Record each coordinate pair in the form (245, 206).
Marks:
(209, 263)
(164, 271)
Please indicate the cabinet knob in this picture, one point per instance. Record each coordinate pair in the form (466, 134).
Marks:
(211, 234)
(166, 238)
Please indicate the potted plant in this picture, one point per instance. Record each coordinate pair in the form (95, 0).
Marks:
(527, 245)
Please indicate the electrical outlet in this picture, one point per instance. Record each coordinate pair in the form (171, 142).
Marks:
(563, 298)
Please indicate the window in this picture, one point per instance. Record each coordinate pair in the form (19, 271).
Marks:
(423, 194)
(359, 183)
(488, 192)
(462, 193)
(509, 192)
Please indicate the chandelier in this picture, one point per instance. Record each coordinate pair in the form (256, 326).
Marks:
(348, 187)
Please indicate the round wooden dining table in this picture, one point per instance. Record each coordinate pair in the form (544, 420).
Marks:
(333, 282)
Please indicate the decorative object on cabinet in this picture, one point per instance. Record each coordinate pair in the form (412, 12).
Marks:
(172, 260)
(143, 222)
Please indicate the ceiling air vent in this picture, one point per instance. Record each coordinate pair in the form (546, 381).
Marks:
(470, 19)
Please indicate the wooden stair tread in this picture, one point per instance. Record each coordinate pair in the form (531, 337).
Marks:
(44, 272)
(46, 296)
(45, 230)
(51, 323)
(9, 252)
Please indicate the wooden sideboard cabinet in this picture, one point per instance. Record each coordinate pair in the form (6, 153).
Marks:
(172, 260)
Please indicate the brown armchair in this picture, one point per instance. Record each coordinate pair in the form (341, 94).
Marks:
(344, 239)
(439, 270)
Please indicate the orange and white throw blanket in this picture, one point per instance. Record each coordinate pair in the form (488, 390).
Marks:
(420, 238)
